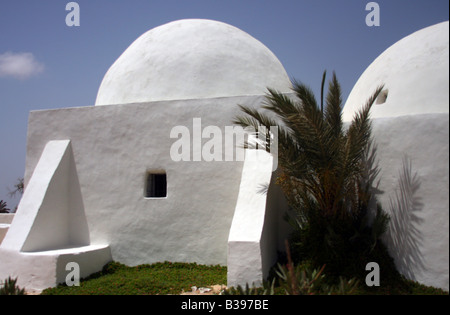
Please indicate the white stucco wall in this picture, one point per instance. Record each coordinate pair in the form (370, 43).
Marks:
(258, 229)
(115, 146)
(112, 149)
(5, 222)
(36, 271)
(49, 229)
(245, 259)
(411, 129)
(51, 212)
(207, 68)
(413, 155)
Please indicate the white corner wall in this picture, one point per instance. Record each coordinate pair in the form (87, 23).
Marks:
(250, 254)
(114, 148)
(51, 213)
(49, 228)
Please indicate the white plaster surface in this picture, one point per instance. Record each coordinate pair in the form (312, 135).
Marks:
(411, 129)
(49, 228)
(97, 179)
(191, 59)
(51, 212)
(3, 229)
(415, 72)
(6, 218)
(115, 146)
(89, 189)
(41, 270)
(5, 222)
(413, 155)
(113, 149)
(244, 242)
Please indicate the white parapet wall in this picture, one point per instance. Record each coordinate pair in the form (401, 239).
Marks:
(5, 222)
(250, 252)
(36, 271)
(51, 212)
(115, 148)
(50, 228)
(111, 151)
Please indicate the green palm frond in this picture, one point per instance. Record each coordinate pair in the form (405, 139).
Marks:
(358, 136)
(333, 112)
(314, 148)
(327, 169)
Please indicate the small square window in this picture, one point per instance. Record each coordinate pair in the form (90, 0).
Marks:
(382, 97)
(156, 186)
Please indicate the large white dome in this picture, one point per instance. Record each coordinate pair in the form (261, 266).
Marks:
(189, 59)
(415, 72)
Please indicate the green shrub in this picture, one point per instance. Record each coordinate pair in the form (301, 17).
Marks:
(9, 287)
(266, 289)
(327, 172)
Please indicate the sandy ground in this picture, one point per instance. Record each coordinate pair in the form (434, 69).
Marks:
(212, 290)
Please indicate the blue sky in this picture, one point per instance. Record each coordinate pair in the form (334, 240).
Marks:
(45, 64)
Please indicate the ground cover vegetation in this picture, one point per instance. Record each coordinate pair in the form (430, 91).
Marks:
(175, 278)
(148, 279)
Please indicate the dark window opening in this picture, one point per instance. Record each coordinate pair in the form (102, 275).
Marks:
(382, 97)
(156, 186)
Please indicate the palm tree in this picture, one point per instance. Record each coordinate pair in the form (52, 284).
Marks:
(3, 207)
(19, 187)
(323, 169)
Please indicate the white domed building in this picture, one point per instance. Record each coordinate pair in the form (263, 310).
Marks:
(415, 73)
(154, 171)
(410, 120)
(192, 59)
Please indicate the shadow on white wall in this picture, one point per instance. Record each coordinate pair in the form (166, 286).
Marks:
(404, 234)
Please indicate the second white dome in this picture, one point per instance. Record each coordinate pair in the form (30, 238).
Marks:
(189, 59)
